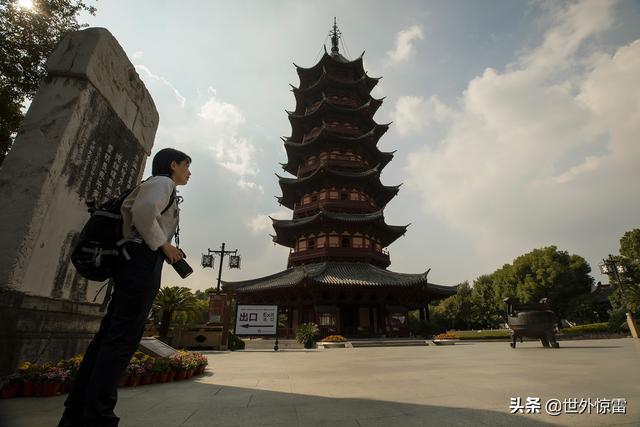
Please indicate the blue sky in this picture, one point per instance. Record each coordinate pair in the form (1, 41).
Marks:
(516, 123)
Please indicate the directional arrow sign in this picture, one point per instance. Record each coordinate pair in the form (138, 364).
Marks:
(256, 319)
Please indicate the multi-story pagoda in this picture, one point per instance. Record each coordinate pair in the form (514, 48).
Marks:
(336, 273)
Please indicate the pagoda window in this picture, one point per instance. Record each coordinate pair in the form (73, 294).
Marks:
(311, 244)
(313, 198)
(358, 242)
(354, 195)
(344, 195)
(321, 241)
(302, 244)
(345, 242)
(333, 195)
(322, 195)
(306, 199)
(334, 241)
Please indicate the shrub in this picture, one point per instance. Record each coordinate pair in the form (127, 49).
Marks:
(617, 319)
(586, 329)
(334, 338)
(235, 343)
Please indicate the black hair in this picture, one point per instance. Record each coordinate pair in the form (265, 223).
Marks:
(161, 164)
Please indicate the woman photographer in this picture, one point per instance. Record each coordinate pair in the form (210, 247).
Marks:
(150, 218)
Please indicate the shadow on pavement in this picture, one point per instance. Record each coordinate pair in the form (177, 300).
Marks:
(196, 403)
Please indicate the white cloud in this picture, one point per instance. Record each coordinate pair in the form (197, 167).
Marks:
(538, 153)
(413, 114)
(213, 125)
(260, 224)
(147, 74)
(404, 44)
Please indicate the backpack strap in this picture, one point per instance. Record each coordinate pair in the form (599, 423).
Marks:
(171, 200)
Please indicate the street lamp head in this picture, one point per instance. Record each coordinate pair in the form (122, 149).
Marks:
(604, 268)
(621, 268)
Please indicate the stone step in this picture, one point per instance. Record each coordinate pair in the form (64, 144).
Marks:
(387, 343)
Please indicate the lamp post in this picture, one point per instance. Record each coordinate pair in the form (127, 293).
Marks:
(612, 266)
(219, 303)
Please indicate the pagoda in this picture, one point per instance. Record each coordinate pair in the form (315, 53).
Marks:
(336, 272)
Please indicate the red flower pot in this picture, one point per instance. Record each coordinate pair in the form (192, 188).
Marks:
(146, 379)
(47, 389)
(171, 376)
(190, 373)
(123, 381)
(27, 389)
(163, 377)
(180, 375)
(134, 380)
(9, 391)
(200, 370)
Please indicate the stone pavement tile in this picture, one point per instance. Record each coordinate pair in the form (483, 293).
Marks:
(336, 409)
(251, 416)
(276, 399)
(171, 418)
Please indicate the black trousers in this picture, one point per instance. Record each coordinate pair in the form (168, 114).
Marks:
(94, 392)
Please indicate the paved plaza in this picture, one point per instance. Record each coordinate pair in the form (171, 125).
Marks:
(467, 384)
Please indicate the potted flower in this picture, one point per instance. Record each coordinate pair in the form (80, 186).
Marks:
(179, 365)
(11, 388)
(161, 368)
(135, 370)
(446, 338)
(201, 362)
(51, 380)
(334, 341)
(306, 334)
(29, 373)
(71, 365)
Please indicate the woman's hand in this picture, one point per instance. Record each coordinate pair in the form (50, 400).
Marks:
(172, 253)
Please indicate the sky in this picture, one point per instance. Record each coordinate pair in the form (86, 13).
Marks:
(516, 123)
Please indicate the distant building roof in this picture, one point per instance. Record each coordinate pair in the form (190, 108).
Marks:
(338, 274)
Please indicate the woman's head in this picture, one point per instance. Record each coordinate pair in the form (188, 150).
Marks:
(172, 163)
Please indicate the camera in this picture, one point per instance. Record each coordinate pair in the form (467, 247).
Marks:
(181, 267)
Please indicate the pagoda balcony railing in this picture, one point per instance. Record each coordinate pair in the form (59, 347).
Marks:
(332, 163)
(336, 205)
(341, 254)
(340, 101)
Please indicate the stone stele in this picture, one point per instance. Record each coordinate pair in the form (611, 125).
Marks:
(87, 135)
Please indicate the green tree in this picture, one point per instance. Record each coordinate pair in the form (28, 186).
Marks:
(455, 311)
(486, 309)
(550, 273)
(173, 300)
(28, 36)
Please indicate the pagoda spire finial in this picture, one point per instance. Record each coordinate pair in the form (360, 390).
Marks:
(335, 36)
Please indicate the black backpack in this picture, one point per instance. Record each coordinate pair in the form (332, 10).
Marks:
(100, 241)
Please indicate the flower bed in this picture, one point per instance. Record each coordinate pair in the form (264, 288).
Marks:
(334, 338)
(51, 379)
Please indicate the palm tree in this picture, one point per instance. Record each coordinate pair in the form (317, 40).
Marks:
(172, 300)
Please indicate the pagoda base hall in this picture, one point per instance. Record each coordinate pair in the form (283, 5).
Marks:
(336, 274)
(352, 299)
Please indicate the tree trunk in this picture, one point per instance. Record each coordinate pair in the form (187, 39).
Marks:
(165, 322)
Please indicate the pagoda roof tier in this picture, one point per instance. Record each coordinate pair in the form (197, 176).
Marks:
(362, 86)
(287, 230)
(339, 274)
(366, 143)
(324, 132)
(367, 109)
(293, 188)
(328, 61)
(305, 124)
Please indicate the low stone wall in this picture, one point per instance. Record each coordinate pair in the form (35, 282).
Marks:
(37, 328)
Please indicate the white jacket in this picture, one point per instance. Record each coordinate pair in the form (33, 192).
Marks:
(141, 212)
